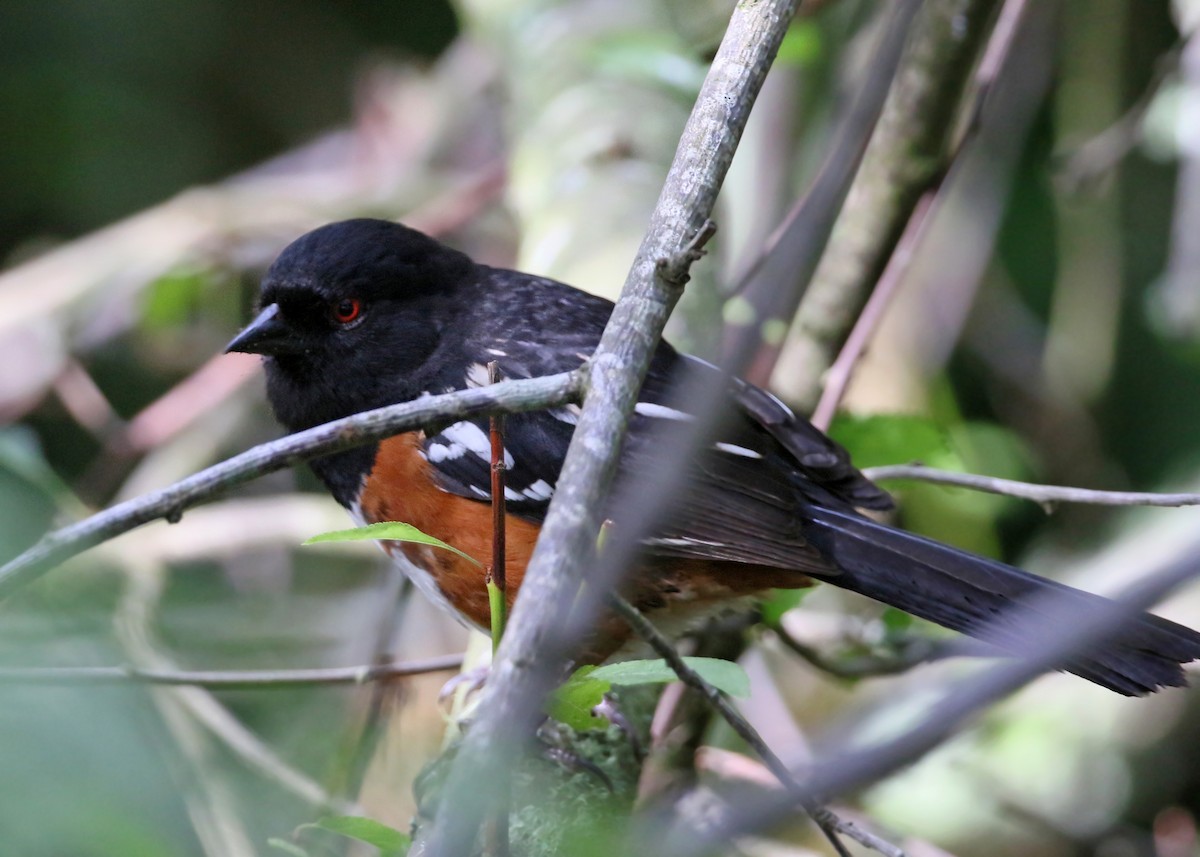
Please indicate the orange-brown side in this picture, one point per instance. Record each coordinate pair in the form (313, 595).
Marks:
(401, 487)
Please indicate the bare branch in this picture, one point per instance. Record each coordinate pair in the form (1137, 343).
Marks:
(906, 156)
(170, 502)
(910, 652)
(228, 680)
(772, 288)
(831, 825)
(1055, 631)
(496, 833)
(842, 370)
(1046, 495)
(528, 662)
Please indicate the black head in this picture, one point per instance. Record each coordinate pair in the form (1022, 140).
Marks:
(350, 313)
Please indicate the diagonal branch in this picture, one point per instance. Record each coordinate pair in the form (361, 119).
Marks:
(1058, 631)
(530, 656)
(170, 502)
(909, 150)
(831, 825)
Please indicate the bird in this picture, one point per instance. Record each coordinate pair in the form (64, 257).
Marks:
(363, 313)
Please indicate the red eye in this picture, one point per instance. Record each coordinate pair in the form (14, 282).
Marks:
(345, 311)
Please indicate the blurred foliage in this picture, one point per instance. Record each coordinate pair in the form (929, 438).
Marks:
(120, 105)
(1076, 363)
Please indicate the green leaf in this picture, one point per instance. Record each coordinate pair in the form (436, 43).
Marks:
(647, 56)
(499, 612)
(173, 298)
(574, 700)
(386, 839)
(392, 531)
(725, 676)
(891, 439)
(897, 621)
(780, 602)
(802, 45)
(287, 847)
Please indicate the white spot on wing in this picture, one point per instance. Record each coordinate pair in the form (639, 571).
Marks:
(733, 449)
(496, 352)
(512, 494)
(439, 452)
(683, 542)
(540, 490)
(471, 437)
(660, 412)
(477, 375)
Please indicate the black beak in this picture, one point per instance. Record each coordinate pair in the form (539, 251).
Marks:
(267, 334)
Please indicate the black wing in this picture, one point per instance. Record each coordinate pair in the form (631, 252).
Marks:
(746, 497)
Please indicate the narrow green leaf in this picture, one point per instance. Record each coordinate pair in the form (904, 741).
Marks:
(287, 847)
(392, 531)
(387, 839)
(725, 676)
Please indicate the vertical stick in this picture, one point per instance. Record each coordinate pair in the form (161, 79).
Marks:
(495, 827)
(497, 586)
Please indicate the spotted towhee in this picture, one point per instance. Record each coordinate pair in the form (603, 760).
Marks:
(365, 313)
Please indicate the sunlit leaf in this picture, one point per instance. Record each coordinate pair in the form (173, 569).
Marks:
(802, 45)
(573, 701)
(387, 839)
(896, 621)
(725, 676)
(780, 602)
(891, 439)
(392, 531)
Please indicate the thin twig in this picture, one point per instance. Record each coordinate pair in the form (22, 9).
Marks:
(842, 370)
(496, 837)
(829, 823)
(907, 155)
(995, 58)
(675, 269)
(184, 707)
(353, 762)
(229, 680)
(1055, 632)
(536, 647)
(170, 502)
(1098, 156)
(776, 282)
(1045, 495)
(497, 572)
(912, 651)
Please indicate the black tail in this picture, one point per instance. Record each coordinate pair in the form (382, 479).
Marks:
(970, 594)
